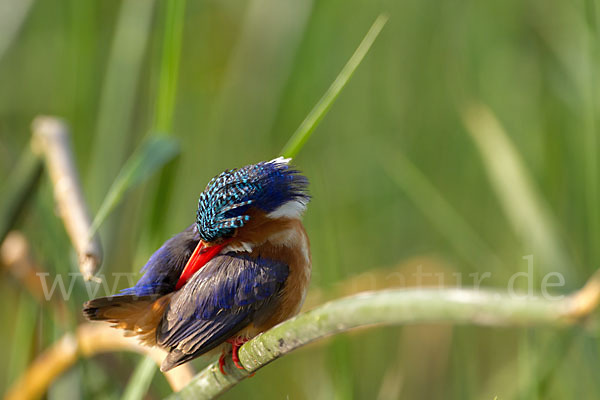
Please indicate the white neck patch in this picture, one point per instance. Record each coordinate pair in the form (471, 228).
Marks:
(292, 209)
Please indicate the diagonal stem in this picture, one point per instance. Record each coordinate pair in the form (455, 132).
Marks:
(394, 307)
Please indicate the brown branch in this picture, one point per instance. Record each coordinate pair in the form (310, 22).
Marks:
(586, 300)
(89, 339)
(16, 258)
(51, 140)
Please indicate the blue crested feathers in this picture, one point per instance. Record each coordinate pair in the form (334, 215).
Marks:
(224, 204)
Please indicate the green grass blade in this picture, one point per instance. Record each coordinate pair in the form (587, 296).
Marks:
(174, 11)
(522, 203)
(24, 330)
(169, 66)
(140, 380)
(118, 96)
(18, 190)
(440, 213)
(12, 17)
(279, 33)
(150, 156)
(591, 137)
(314, 117)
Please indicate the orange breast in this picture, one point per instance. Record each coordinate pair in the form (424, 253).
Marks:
(285, 240)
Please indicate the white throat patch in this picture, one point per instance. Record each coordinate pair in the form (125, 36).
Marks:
(292, 209)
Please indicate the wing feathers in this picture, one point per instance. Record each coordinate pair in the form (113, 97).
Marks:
(220, 300)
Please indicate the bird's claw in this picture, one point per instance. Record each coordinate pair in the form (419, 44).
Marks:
(236, 343)
(222, 363)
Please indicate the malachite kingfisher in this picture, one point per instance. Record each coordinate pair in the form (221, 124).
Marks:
(241, 268)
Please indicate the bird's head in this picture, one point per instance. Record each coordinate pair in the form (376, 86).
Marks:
(240, 199)
(230, 200)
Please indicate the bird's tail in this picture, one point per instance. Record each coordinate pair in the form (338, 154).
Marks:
(137, 315)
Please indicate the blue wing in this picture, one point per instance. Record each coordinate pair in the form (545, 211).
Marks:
(164, 267)
(221, 299)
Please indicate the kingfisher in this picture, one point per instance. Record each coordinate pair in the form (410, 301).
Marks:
(241, 268)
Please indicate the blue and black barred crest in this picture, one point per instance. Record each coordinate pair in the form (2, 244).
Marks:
(266, 186)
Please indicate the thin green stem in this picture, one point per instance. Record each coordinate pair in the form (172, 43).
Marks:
(314, 117)
(165, 106)
(440, 213)
(150, 156)
(18, 190)
(140, 379)
(169, 66)
(392, 307)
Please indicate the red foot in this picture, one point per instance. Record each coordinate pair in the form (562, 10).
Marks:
(236, 343)
(222, 363)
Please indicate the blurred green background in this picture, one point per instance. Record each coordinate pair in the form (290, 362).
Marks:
(398, 181)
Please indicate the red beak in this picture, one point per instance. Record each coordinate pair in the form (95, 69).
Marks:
(199, 258)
